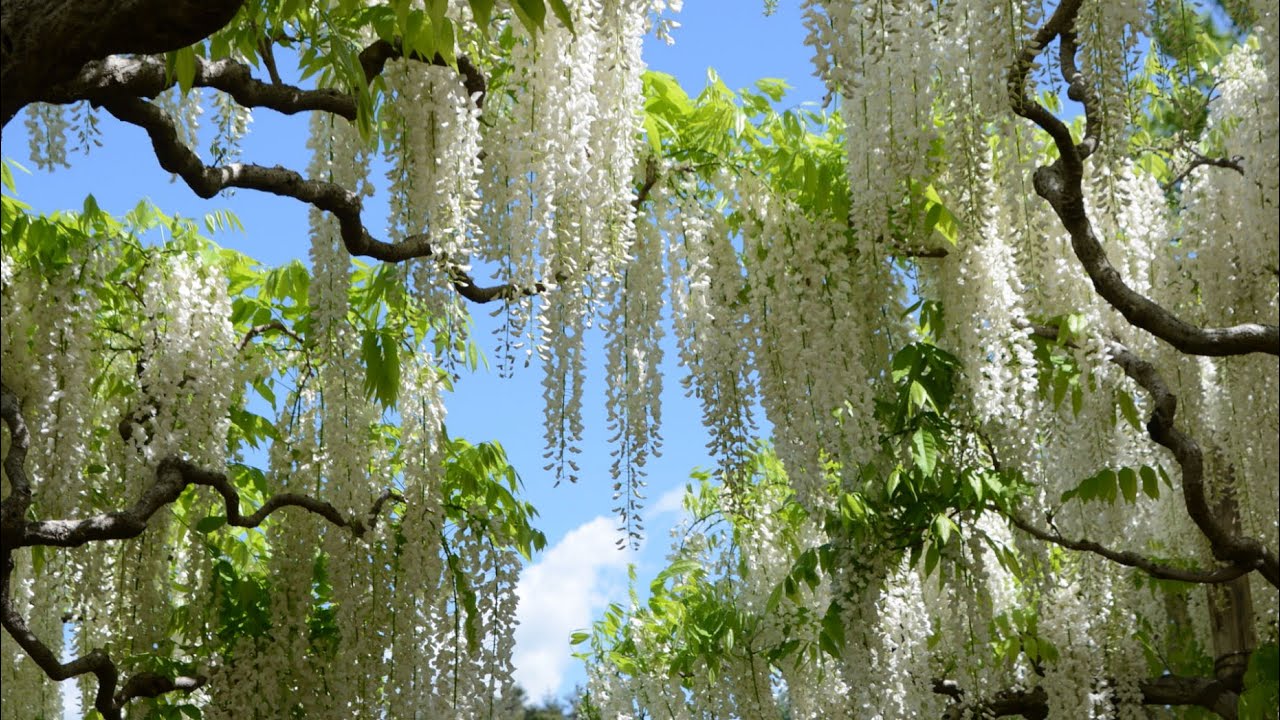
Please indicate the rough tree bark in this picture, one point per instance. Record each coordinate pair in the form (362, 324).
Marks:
(46, 42)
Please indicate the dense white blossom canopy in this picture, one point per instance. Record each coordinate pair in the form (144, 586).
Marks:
(1013, 328)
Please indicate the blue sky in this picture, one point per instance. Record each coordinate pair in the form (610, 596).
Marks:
(568, 584)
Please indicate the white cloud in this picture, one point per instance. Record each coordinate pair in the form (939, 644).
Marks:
(561, 593)
(671, 501)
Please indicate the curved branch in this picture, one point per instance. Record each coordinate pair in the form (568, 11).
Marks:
(1238, 551)
(1060, 184)
(345, 205)
(1227, 545)
(375, 57)
(1235, 162)
(273, 326)
(1027, 107)
(172, 477)
(13, 509)
(1132, 559)
(146, 76)
(107, 701)
(919, 252)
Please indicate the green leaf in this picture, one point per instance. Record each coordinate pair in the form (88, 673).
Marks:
(775, 88)
(210, 523)
(924, 447)
(942, 526)
(184, 68)
(831, 637)
(1106, 485)
(482, 11)
(1128, 409)
(1261, 694)
(578, 638)
(919, 395)
(1075, 326)
(976, 484)
(931, 557)
(1129, 484)
(1061, 383)
(532, 14)
(562, 13)
(1150, 483)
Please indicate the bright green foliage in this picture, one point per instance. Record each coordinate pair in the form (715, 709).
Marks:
(800, 151)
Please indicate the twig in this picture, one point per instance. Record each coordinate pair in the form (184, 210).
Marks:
(1131, 559)
(1235, 162)
(274, 325)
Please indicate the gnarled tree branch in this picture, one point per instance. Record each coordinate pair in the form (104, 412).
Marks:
(172, 477)
(13, 509)
(1228, 546)
(345, 205)
(107, 700)
(145, 76)
(1061, 185)
(1235, 162)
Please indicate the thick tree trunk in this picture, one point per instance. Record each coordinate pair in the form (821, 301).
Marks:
(46, 42)
(1231, 606)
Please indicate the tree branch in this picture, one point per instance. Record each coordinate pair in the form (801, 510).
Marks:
(1061, 185)
(1131, 559)
(172, 477)
(1033, 704)
(13, 509)
(345, 205)
(920, 252)
(1227, 546)
(1235, 162)
(273, 326)
(375, 57)
(107, 701)
(146, 76)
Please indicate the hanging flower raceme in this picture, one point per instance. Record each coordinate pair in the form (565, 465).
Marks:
(434, 149)
(709, 321)
(634, 327)
(186, 378)
(878, 57)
